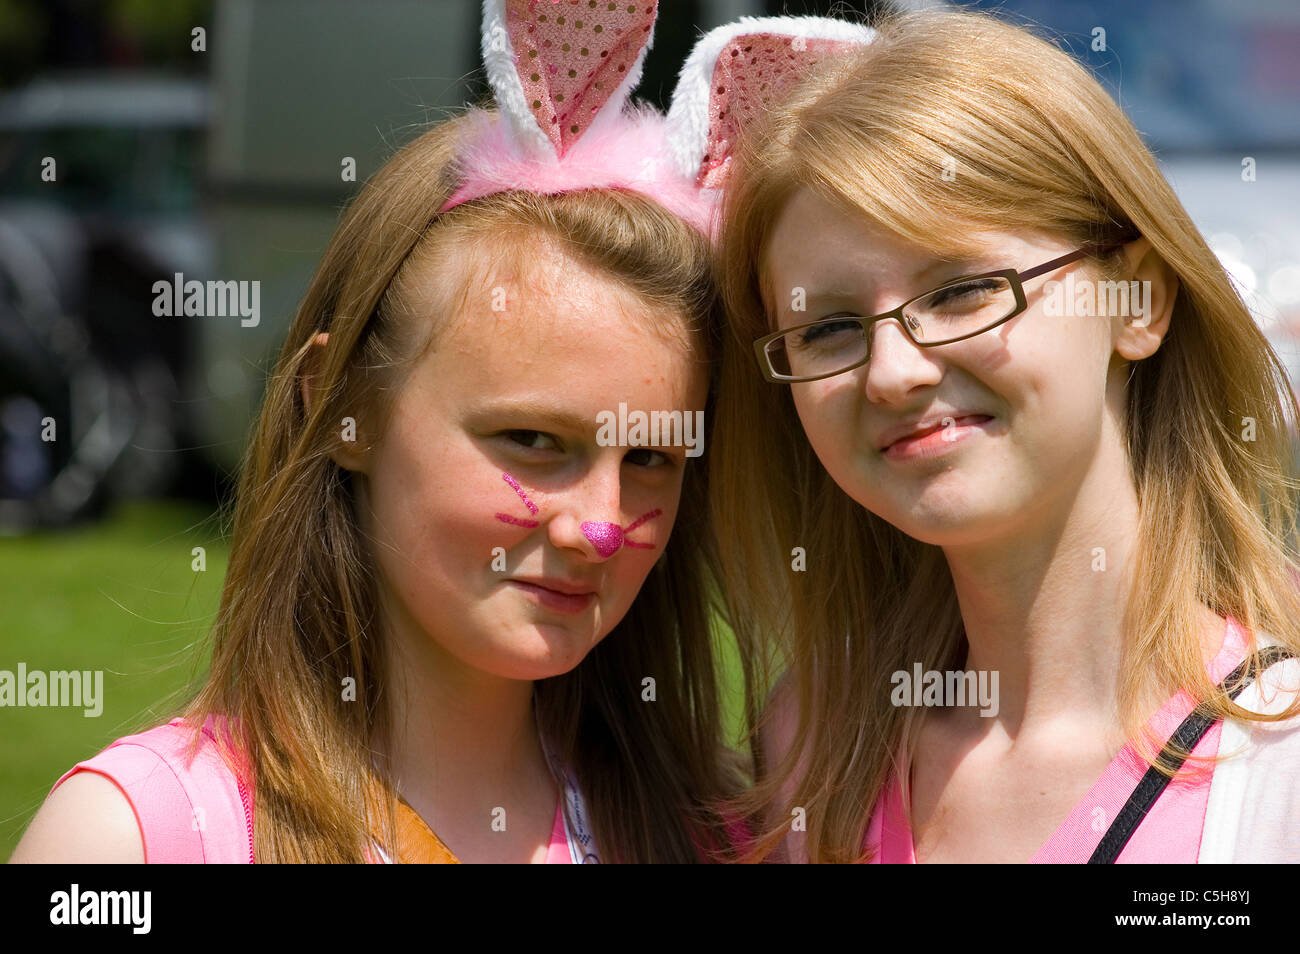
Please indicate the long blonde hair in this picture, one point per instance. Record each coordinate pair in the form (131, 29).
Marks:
(1036, 145)
(299, 610)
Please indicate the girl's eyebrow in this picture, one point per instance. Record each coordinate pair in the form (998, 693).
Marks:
(533, 411)
(938, 272)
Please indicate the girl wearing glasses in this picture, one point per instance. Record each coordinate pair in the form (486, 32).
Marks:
(1003, 476)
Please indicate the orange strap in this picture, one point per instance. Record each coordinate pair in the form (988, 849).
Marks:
(416, 842)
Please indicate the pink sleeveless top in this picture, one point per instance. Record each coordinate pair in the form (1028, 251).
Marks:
(197, 811)
(1171, 831)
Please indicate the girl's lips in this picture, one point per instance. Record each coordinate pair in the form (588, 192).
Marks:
(936, 440)
(554, 599)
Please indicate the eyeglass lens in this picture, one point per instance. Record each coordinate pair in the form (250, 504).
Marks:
(949, 312)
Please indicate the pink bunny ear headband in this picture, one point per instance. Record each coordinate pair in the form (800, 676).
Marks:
(563, 71)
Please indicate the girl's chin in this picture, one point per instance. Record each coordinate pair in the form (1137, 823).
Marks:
(543, 651)
(524, 668)
(941, 519)
(951, 528)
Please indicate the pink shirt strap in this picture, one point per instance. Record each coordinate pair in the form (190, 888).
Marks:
(189, 811)
(1171, 830)
(558, 852)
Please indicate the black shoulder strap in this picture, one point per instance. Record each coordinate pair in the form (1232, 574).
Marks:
(1186, 736)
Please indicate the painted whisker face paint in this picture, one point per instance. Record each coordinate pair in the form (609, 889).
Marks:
(516, 521)
(636, 523)
(532, 507)
(607, 538)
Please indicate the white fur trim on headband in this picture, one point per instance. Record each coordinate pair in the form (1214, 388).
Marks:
(499, 63)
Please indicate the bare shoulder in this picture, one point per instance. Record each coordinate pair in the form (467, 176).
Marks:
(86, 820)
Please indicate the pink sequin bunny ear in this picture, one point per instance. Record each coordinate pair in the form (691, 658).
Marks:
(557, 67)
(737, 71)
(562, 74)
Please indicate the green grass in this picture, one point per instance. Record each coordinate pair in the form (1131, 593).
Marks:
(119, 596)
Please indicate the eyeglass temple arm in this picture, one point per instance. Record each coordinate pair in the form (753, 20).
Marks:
(1090, 249)
(1053, 264)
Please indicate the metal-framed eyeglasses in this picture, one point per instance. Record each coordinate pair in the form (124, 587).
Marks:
(956, 310)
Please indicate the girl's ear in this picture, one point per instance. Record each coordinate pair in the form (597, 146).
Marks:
(1146, 296)
(346, 450)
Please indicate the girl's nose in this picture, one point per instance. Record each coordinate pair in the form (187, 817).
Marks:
(605, 537)
(897, 366)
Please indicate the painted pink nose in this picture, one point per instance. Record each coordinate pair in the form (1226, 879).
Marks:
(605, 537)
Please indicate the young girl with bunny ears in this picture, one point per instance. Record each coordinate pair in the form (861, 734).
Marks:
(454, 626)
(925, 465)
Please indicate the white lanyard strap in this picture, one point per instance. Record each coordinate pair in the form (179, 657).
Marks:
(577, 823)
(577, 826)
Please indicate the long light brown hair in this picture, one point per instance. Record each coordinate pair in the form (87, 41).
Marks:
(1036, 145)
(299, 612)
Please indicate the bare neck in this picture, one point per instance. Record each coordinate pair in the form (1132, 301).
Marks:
(1043, 604)
(463, 743)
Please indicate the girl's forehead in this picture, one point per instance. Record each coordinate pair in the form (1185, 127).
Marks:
(579, 316)
(816, 236)
(583, 352)
(523, 267)
(539, 277)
